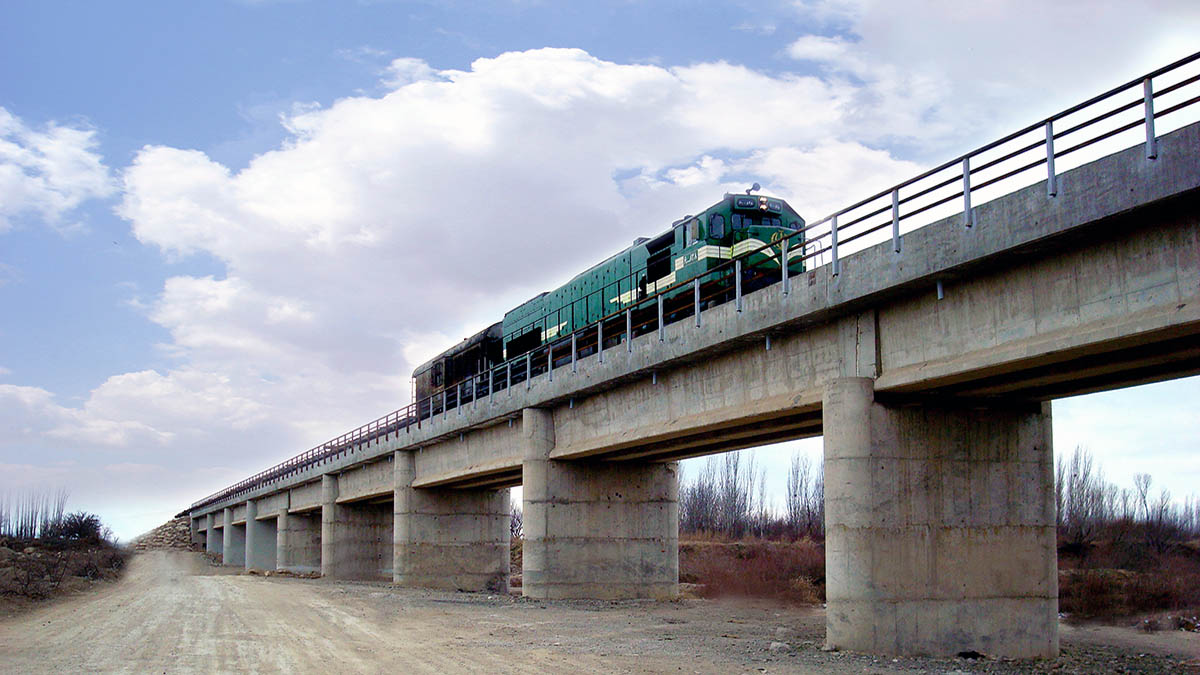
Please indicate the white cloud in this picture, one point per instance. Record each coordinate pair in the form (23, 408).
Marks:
(48, 172)
(967, 72)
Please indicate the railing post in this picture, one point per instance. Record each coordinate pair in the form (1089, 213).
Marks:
(629, 330)
(528, 369)
(1051, 176)
(550, 361)
(835, 264)
(785, 280)
(660, 318)
(966, 171)
(1151, 139)
(737, 284)
(696, 299)
(600, 340)
(508, 378)
(896, 220)
(574, 353)
(491, 385)
(443, 405)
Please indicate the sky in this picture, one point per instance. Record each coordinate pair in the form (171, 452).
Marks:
(229, 230)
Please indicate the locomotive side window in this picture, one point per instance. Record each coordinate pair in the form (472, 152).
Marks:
(694, 229)
(736, 221)
(716, 225)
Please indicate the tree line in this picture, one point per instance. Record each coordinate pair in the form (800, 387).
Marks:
(42, 515)
(1091, 509)
(729, 498)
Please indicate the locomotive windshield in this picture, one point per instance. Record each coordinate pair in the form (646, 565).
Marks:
(741, 221)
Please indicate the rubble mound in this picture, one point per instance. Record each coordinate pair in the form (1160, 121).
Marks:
(173, 535)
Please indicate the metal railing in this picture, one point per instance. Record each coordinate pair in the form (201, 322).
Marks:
(998, 167)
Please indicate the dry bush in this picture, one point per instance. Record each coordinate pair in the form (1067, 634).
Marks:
(516, 548)
(1156, 583)
(793, 571)
(36, 570)
(35, 575)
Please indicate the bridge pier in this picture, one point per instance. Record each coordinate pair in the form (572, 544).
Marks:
(453, 539)
(297, 542)
(939, 525)
(352, 536)
(233, 550)
(212, 539)
(599, 530)
(197, 539)
(260, 540)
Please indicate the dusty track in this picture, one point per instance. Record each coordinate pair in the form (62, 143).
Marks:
(174, 613)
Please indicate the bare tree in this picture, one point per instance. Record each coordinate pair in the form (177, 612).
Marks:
(516, 522)
(728, 497)
(1141, 483)
(805, 508)
(698, 501)
(32, 514)
(1086, 498)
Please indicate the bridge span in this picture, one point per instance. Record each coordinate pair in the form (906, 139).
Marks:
(927, 361)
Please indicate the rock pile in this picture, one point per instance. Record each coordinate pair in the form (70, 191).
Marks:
(175, 535)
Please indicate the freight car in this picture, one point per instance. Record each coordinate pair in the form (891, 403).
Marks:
(737, 225)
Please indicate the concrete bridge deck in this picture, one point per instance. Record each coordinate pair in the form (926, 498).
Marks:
(928, 371)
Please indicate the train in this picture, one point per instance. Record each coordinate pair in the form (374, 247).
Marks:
(612, 294)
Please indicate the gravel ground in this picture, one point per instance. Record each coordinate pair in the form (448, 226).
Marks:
(175, 613)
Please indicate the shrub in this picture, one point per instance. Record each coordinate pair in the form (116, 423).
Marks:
(78, 526)
(793, 571)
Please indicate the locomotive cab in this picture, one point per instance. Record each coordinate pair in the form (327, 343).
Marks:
(451, 371)
(736, 225)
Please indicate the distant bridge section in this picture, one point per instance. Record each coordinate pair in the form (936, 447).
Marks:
(926, 353)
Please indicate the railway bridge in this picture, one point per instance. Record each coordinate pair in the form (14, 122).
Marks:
(927, 358)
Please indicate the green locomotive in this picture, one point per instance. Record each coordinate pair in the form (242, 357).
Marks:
(737, 225)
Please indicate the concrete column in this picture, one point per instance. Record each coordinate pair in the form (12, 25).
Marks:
(939, 526)
(234, 548)
(355, 538)
(596, 529)
(329, 525)
(213, 540)
(448, 539)
(260, 540)
(197, 538)
(298, 542)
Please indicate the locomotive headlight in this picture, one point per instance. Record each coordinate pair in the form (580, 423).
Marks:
(762, 203)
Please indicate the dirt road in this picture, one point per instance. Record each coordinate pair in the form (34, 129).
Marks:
(174, 613)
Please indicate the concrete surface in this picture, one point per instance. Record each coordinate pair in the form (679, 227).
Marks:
(939, 522)
(233, 549)
(595, 530)
(449, 539)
